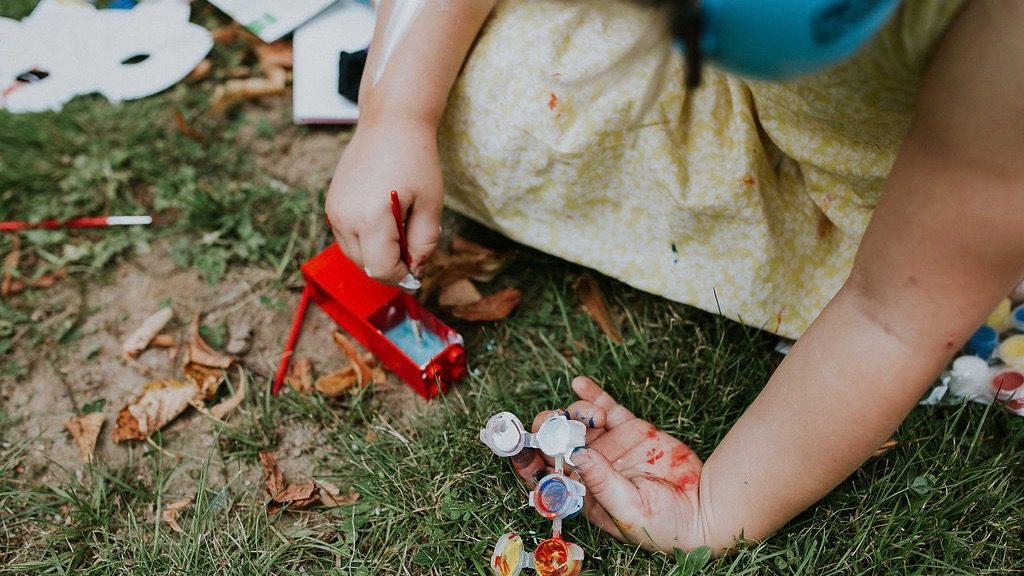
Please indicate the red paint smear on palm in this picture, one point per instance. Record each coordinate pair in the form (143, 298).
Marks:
(653, 455)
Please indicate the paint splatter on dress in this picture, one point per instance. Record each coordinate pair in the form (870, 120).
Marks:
(740, 197)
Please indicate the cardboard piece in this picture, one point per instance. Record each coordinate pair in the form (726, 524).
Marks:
(121, 54)
(347, 26)
(272, 19)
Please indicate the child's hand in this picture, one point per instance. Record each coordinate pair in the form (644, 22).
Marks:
(642, 484)
(387, 154)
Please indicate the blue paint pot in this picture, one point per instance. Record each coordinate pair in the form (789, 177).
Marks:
(983, 342)
(1017, 317)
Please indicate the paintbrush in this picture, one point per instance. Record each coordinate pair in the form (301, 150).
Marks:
(85, 222)
(411, 306)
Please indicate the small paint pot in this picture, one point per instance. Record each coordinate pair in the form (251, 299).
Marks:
(1015, 406)
(1017, 318)
(559, 436)
(1011, 351)
(1008, 385)
(1000, 317)
(556, 557)
(969, 376)
(509, 557)
(558, 496)
(504, 434)
(983, 342)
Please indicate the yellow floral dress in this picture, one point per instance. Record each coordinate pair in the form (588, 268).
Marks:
(741, 197)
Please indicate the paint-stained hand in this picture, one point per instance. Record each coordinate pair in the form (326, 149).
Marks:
(642, 484)
(387, 154)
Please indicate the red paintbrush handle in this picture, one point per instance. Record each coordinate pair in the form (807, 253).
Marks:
(53, 223)
(293, 337)
(84, 222)
(403, 243)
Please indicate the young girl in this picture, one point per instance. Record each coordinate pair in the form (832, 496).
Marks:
(747, 197)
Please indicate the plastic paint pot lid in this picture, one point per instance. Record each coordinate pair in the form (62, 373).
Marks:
(504, 434)
(559, 436)
(509, 557)
(553, 435)
(969, 376)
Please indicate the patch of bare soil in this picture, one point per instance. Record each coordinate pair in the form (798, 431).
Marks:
(64, 378)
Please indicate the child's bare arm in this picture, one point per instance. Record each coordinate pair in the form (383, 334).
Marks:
(417, 50)
(944, 246)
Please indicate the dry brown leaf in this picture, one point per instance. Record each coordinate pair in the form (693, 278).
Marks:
(234, 91)
(161, 402)
(462, 246)
(170, 513)
(330, 496)
(459, 293)
(349, 348)
(298, 495)
(200, 72)
(85, 430)
(497, 306)
(18, 285)
(294, 496)
(11, 262)
(199, 352)
(276, 55)
(337, 383)
(473, 261)
(186, 129)
(226, 34)
(48, 280)
(594, 305)
(300, 375)
(207, 380)
(885, 447)
(273, 478)
(231, 402)
(139, 340)
(164, 341)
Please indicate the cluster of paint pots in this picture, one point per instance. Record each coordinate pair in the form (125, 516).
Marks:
(557, 497)
(993, 367)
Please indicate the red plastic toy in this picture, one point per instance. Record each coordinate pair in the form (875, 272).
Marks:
(379, 317)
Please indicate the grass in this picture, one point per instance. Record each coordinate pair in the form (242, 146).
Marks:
(946, 500)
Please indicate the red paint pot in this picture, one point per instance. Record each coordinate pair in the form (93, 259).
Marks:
(1007, 385)
(556, 557)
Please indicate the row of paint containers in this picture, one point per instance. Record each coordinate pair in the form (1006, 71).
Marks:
(992, 368)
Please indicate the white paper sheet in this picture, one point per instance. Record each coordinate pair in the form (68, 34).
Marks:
(347, 26)
(271, 19)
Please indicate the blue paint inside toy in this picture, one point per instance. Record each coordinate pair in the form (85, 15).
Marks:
(553, 495)
(420, 349)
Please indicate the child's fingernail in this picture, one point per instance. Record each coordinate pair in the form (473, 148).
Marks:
(410, 282)
(367, 270)
(580, 457)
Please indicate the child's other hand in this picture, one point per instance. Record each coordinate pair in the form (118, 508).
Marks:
(642, 484)
(387, 154)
